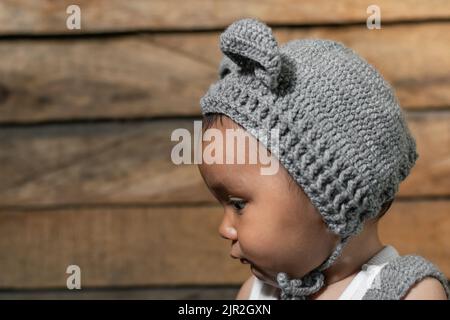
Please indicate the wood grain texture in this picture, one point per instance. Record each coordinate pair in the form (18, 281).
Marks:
(98, 78)
(46, 16)
(130, 163)
(167, 246)
(105, 195)
(420, 227)
(122, 163)
(166, 74)
(432, 171)
(145, 293)
(118, 247)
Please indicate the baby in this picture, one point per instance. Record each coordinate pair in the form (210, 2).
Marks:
(309, 229)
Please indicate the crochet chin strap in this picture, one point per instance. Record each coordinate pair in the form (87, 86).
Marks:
(300, 289)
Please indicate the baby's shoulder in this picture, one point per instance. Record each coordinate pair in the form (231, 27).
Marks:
(246, 288)
(408, 276)
(427, 289)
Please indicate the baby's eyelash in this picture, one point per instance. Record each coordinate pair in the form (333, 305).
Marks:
(234, 201)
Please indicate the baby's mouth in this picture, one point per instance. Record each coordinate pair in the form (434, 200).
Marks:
(242, 260)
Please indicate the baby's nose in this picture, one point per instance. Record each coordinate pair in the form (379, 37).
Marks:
(227, 230)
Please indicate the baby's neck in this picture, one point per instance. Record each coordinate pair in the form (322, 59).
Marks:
(358, 251)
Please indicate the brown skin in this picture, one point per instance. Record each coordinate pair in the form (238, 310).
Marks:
(272, 224)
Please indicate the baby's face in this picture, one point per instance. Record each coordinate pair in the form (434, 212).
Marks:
(268, 221)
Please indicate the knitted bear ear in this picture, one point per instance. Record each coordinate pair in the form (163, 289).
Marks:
(251, 45)
(227, 66)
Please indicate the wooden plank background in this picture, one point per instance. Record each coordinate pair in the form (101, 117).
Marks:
(91, 78)
(85, 127)
(44, 16)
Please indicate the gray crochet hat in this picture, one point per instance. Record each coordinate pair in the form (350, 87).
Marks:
(342, 135)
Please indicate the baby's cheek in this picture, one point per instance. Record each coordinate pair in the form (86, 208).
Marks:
(277, 249)
(260, 245)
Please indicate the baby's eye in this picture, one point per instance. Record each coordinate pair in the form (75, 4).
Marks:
(238, 204)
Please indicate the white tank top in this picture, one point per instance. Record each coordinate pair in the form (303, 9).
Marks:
(354, 291)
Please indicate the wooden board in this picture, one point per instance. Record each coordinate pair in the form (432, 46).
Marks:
(46, 16)
(122, 163)
(432, 170)
(166, 74)
(120, 247)
(130, 163)
(145, 293)
(85, 123)
(420, 227)
(167, 246)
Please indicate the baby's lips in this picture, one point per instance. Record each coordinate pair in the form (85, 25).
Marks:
(243, 260)
(234, 257)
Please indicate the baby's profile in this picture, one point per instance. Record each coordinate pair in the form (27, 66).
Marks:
(310, 229)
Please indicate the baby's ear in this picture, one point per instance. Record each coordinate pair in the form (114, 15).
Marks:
(250, 45)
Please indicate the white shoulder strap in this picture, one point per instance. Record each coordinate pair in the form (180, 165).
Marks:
(262, 291)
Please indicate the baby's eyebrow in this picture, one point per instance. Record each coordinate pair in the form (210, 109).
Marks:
(218, 190)
(218, 186)
(221, 189)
